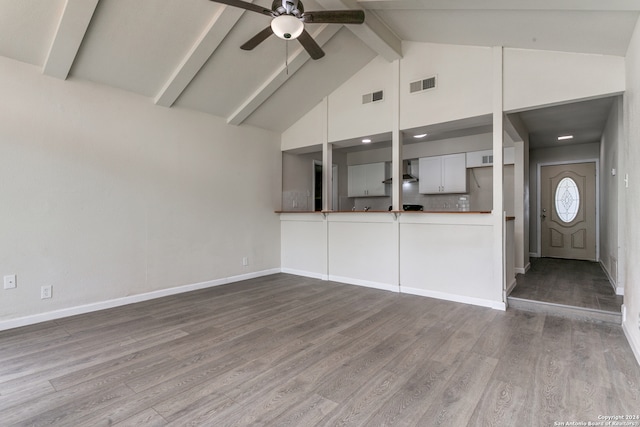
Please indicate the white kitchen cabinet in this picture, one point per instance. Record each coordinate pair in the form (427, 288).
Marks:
(366, 180)
(443, 174)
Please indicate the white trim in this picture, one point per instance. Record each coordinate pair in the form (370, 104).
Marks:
(496, 305)
(365, 283)
(534, 254)
(523, 270)
(597, 183)
(102, 305)
(511, 286)
(635, 345)
(619, 290)
(303, 273)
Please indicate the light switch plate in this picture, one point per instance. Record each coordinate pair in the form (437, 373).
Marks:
(10, 281)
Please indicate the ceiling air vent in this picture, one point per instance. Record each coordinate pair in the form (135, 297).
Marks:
(373, 97)
(422, 85)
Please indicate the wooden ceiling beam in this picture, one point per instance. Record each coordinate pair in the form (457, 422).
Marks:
(278, 78)
(219, 26)
(71, 30)
(374, 33)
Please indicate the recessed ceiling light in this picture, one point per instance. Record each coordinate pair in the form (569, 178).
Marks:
(422, 135)
(366, 141)
(562, 138)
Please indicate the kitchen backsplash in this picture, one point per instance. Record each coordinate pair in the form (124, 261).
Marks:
(472, 201)
(296, 201)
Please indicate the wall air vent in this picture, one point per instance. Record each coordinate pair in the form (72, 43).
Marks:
(422, 85)
(487, 160)
(373, 97)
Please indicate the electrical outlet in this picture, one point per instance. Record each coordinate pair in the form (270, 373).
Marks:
(245, 261)
(10, 281)
(45, 292)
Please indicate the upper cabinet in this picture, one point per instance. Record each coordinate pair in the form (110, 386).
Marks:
(443, 174)
(477, 159)
(367, 180)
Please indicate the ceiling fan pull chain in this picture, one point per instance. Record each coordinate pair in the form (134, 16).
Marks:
(286, 57)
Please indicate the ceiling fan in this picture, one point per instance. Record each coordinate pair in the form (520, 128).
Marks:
(288, 22)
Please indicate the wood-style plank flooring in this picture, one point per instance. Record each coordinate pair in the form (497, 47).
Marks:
(290, 351)
(568, 282)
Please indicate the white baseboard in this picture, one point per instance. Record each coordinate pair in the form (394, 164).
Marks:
(511, 285)
(523, 270)
(496, 305)
(365, 283)
(117, 302)
(534, 255)
(303, 273)
(619, 290)
(635, 345)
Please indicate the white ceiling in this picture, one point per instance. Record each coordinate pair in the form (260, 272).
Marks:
(185, 53)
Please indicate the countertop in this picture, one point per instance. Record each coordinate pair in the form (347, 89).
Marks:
(403, 212)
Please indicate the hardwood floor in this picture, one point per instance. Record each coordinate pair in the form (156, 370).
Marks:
(290, 351)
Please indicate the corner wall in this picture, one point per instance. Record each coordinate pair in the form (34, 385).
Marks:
(631, 194)
(609, 202)
(107, 197)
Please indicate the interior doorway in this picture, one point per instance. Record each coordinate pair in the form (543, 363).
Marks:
(568, 209)
(317, 186)
(567, 278)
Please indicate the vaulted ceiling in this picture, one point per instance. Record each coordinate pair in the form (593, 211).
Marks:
(186, 53)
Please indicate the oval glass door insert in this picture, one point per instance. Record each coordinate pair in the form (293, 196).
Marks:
(567, 199)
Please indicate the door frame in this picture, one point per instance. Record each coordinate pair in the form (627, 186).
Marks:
(539, 222)
(334, 183)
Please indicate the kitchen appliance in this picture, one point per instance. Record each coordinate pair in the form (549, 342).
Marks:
(409, 207)
(407, 176)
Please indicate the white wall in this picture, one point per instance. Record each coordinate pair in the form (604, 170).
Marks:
(309, 131)
(414, 253)
(630, 224)
(304, 244)
(463, 83)
(609, 192)
(106, 196)
(450, 257)
(348, 117)
(534, 78)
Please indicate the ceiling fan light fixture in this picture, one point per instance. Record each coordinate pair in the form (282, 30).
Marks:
(287, 27)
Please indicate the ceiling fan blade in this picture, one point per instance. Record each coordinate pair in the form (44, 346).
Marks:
(334, 17)
(257, 39)
(310, 45)
(245, 5)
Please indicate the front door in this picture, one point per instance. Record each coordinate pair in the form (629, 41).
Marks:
(568, 211)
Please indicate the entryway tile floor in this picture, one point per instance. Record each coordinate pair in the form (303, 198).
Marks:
(574, 283)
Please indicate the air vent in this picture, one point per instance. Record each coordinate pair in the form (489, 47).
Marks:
(373, 97)
(487, 160)
(422, 85)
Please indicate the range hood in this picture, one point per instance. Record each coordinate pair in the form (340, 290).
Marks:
(406, 174)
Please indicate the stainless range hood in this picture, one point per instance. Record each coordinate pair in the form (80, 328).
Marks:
(406, 174)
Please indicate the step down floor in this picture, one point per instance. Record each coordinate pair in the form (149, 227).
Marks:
(577, 313)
